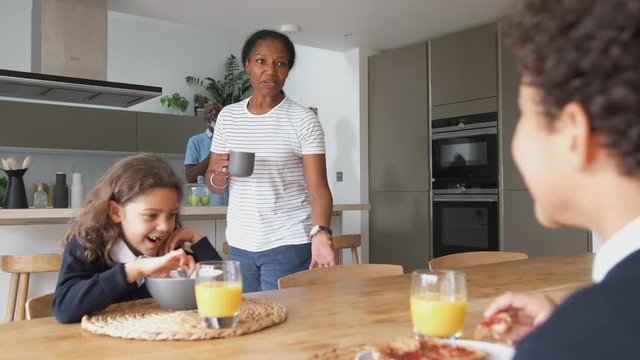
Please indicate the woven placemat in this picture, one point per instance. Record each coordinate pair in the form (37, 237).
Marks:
(147, 320)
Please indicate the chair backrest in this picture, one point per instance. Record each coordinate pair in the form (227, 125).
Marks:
(338, 273)
(348, 242)
(21, 267)
(472, 258)
(39, 306)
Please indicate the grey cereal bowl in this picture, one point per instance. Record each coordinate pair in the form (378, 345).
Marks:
(173, 293)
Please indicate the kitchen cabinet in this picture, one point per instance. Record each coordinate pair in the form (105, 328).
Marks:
(38, 125)
(509, 114)
(399, 155)
(522, 232)
(464, 66)
(399, 229)
(398, 120)
(164, 133)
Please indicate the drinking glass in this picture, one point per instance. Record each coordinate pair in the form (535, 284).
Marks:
(218, 293)
(438, 303)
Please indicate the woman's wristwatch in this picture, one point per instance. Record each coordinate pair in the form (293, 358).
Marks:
(317, 228)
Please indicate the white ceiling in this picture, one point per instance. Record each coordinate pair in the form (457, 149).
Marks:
(372, 24)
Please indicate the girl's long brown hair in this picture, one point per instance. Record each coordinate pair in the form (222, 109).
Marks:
(125, 181)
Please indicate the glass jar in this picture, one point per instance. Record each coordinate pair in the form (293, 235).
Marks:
(40, 197)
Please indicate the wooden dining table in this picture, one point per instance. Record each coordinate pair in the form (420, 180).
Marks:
(319, 317)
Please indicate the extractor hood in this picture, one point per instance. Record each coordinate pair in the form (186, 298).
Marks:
(75, 90)
(69, 58)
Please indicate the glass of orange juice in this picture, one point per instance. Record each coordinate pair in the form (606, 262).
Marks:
(438, 303)
(218, 293)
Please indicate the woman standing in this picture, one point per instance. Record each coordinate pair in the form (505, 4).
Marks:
(278, 221)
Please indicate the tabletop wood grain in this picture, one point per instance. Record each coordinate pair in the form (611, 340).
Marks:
(319, 317)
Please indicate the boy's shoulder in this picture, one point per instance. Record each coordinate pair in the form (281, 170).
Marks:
(606, 311)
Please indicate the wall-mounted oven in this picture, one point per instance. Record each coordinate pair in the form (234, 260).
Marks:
(465, 168)
(464, 152)
(462, 223)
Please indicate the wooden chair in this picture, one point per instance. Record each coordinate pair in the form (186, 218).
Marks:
(338, 273)
(472, 258)
(348, 242)
(21, 267)
(39, 306)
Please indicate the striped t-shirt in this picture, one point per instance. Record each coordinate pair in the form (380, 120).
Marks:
(271, 208)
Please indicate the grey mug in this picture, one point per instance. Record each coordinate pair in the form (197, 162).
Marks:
(241, 163)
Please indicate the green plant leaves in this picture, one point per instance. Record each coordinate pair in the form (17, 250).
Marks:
(175, 100)
(228, 91)
(3, 186)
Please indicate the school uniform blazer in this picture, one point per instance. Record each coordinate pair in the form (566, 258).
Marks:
(601, 321)
(85, 287)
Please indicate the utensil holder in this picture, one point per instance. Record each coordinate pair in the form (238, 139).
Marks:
(16, 195)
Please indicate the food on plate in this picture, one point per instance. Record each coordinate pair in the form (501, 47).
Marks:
(426, 349)
(406, 349)
(497, 324)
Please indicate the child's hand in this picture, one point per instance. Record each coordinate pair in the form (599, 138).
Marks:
(527, 311)
(159, 266)
(179, 236)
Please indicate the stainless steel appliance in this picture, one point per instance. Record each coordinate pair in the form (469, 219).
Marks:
(462, 223)
(465, 169)
(465, 152)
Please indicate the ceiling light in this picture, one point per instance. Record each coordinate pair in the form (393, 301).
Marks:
(289, 28)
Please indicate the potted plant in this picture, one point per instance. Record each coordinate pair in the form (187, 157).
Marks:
(176, 102)
(3, 187)
(199, 101)
(229, 90)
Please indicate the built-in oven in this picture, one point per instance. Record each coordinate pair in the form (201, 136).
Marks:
(464, 152)
(464, 222)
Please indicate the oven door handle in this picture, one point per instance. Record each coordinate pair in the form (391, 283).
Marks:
(465, 133)
(467, 198)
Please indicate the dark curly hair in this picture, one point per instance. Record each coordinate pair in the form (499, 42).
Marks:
(256, 37)
(586, 51)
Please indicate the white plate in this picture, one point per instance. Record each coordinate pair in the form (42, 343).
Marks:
(494, 351)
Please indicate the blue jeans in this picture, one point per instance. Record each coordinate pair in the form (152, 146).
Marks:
(261, 270)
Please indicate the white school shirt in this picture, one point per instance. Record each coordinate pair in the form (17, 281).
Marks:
(271, 208)
(622, 244)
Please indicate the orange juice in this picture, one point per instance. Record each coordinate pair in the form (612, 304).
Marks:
(433, 317)
(218, 299)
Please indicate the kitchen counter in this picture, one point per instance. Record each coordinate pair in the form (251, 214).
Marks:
(62, 216)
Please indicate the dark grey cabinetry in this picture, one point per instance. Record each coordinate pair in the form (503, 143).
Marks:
(163, 133)
(399, 157)
(522, 232)
(509, 113)
(37, 125)
(464, 66)
(399, 229)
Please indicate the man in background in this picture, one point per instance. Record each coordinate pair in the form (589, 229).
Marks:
(196, 158)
